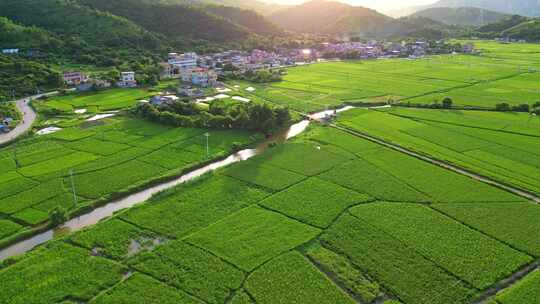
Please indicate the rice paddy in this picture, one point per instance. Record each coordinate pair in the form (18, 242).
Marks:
(327, 217)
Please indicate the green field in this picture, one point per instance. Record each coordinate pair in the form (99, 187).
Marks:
(94, 102)
(113, 156)
(502, 74)
(313, 227)
(504, 146)
(327, 217)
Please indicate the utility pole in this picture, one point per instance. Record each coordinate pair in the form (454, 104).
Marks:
(73, 188)
(207, 135)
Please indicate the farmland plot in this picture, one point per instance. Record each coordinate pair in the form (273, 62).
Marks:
(404, 272)
(193, 206)
(314, 201)
(190, 269)
(253, 236)
(471, 256)
(99, 160)
(513, 223)
(56, 272)
(509, 157)
(142, 289)
(524, 292)
(290, 278)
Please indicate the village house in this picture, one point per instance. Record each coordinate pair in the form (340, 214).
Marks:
(75, 78)
(10, 51)
(159, 100)
(127, 80)
(204, 77)
(183, 61)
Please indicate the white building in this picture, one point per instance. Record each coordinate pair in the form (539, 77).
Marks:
(203, 77)
(10, 51)
(127, 80)
(183, 61)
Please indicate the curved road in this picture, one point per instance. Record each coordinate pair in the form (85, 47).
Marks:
(29, 116)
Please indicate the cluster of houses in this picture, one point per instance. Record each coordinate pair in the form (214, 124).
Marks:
(378, 49)
(83, 82)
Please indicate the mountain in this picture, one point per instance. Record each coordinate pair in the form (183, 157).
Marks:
(338, 19)
(79, 23)
(258, 6)
(421, 27)
(528, 30)
(467, 16)
(178, 23)
(330, 18)
(249, 19)
(530, 8)
(17, 36)
(503, 24)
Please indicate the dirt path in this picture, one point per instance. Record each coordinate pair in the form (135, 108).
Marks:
(484, 179)
(29, 116)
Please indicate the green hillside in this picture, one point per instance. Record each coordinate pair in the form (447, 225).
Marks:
(469, 16)
(332, 18)
(76, 23)
(502, 24)
(176, 22)
(249, 19)
(528, 30)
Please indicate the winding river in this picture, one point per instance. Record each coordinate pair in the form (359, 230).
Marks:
(98, 214)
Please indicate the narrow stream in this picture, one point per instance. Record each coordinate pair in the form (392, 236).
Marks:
(109, 209)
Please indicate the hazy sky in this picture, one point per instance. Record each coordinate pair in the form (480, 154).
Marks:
(376, 4)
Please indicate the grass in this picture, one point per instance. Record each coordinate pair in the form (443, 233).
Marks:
(314, 201)
(142, 289)
(470, 80)
(107, 100)
(290, 278)
(403, 271)
(512, 223)
(57, 272)
(477, 259)
(253, 236)
(115, 155)
(193, 206)
(31, 216)
(8, 228)
(497, 145)
(365, 177)
(345, 272)
(524, 292)
(113, 238)
(101, 183)
(308, 159)
(191, 269)
(269, 177)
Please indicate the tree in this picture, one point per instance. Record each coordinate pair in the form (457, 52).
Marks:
(502, 107)
(521, 108)
(447, 103)
(58, 215)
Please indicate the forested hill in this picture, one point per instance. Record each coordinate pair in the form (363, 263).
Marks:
(249, 19)
(176, 22)
(328, 17)
(470, 16)
(529, 8)
(338, 19)
(77, 22)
